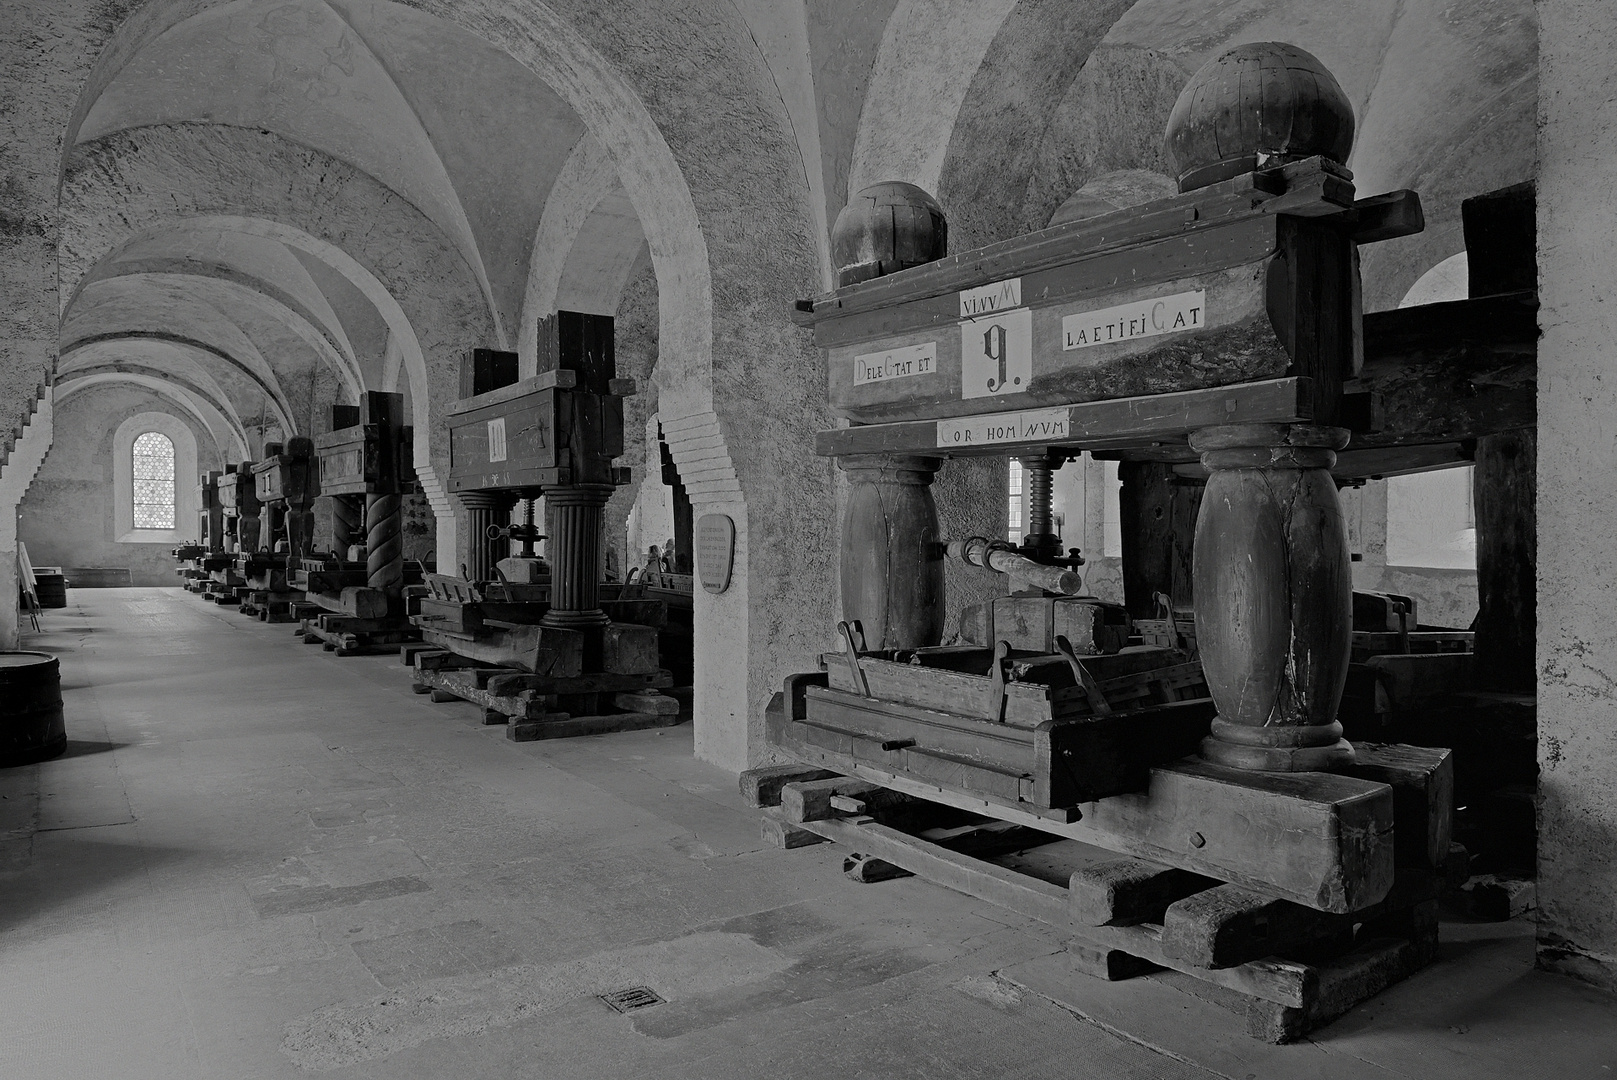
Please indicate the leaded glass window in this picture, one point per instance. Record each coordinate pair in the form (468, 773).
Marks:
(153, 455)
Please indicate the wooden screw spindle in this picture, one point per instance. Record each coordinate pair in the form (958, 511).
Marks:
(1274, 596)
(1041, 540)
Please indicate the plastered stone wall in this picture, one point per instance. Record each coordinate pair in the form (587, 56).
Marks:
(66, 518)
(1577, 490)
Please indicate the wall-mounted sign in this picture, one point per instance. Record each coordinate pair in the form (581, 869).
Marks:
(996, 354)
(988, 299)
(896, 363)
(1126, 322)
(1035, 425)
(715, 551)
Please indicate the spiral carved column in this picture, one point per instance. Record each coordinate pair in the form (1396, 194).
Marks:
(574, 520)
(892, 557)
(1274, 596)
(484, 509)
(384, 542)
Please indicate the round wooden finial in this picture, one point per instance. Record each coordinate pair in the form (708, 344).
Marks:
(1256, 106)
(886, 228)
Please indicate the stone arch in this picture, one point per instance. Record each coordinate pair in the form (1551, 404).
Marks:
(210, 411)
(271, 394)
(692, 184)
(134, 184)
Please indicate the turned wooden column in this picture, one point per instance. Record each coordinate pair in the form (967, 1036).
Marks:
(892, 554)
(483, 510)
(573, 518)
(1274, 596)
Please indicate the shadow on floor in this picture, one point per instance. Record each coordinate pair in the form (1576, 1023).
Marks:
(92, 873)
(86, 747)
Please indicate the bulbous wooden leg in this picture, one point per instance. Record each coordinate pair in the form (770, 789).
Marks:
(892, 555)
(1274, 596)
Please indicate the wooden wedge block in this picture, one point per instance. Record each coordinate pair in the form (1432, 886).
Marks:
(1101, 962)
(1501, 898)
(1123, 892)
(629, 649)
(777, 832)
(1422, 782)
(646, 701)
(811, 800)
(762, 787)
(1227, 925)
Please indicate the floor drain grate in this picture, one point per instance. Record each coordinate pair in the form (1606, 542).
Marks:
(635, 997)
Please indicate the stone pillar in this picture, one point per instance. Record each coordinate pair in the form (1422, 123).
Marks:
(484, 509)
(1577, 489)
(892, 553)
(1274, 596)
(574, 516)
(384, 543)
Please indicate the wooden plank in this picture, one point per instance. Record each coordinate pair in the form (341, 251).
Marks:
(1123, 892)
(1125, 421)
(545, 380)
(1323, 841)
(1009, 889)
(762, 787)
(570, 727)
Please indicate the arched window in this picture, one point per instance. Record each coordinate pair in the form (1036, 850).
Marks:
(152, 469)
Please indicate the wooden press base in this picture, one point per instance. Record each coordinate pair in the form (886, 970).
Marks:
(346, 635)
(1287, 969)
(531, 704)
(270, 607)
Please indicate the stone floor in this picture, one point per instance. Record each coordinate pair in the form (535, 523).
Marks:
(260, 860)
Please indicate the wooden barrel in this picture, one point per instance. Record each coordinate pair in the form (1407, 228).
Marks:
(51, 589)
(31, 726)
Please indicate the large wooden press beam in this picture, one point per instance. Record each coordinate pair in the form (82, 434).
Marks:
(1133, 421)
